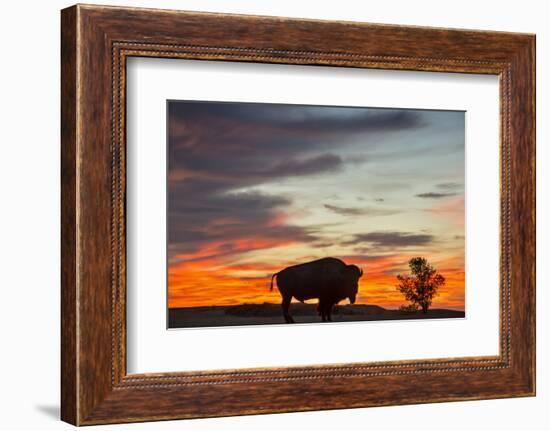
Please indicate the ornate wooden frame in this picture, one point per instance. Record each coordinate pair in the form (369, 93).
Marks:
(95, 43)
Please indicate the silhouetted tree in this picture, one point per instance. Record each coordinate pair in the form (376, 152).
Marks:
(422, 285)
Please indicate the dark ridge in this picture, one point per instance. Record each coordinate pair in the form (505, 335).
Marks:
(268, 313)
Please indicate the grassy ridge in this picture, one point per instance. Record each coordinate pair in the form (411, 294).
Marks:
(267, 313)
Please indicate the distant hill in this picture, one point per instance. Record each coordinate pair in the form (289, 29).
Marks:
(268, 313)
(269, 309)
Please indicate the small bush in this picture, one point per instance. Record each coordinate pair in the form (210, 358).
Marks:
(409, 308)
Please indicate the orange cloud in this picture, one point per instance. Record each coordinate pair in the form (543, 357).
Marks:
(211, 282)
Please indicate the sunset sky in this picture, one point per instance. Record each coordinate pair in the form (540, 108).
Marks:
(253, 188)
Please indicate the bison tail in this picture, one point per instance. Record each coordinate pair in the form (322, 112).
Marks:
(271, 285)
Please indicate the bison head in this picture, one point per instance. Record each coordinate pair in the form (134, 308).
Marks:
(351, 276)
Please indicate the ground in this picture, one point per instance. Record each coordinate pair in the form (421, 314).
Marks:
(267, 313)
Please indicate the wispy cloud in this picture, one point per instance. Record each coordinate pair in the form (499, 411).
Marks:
(217, 149)
(449, 186)
(452, 210)
(391, 239)
(354, 211)
(434, 195)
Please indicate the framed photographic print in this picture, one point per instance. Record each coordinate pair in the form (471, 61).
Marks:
(279, 207)
(307, 189)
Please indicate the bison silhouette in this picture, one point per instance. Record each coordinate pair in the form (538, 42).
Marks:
(328, 279)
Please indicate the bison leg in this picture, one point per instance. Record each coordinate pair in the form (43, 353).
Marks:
(285, 305)
(322, 310)
(328, 312)
(325, 310)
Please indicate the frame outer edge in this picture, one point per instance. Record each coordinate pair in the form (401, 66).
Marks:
(69, 196)
(88, 397)
(532, 79)
(533, 54)
(523, 216)
(528, 62)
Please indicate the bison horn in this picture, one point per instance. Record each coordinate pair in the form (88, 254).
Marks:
(360, 272)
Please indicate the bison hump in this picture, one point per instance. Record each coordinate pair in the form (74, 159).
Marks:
(327, 262)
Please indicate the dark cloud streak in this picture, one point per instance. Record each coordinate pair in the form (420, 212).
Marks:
(216, 150)
(351, 211)
(434, 195)
(302, 117)
(391, 239)
(449, 186)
